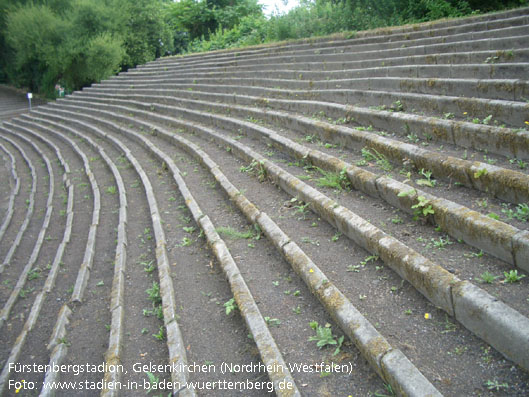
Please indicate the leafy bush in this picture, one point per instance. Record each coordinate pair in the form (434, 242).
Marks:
(35, 32)
(250, 31)
(76, 43)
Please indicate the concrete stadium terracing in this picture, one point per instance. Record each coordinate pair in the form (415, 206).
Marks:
(337, 216)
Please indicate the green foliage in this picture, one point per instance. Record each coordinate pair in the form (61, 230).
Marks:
(144, 28)
(338, 181)
(378, 158)
(313, 18)
(76, 43)
(214, 24)
(34, 33)
(428, 181)
(496, 385)
(488, 277)
(512, 276)
(479, 173)
(153, 381)
(521, 213)
(423, 208)
(325, 337)
(161, 334)
(102, 57)
(256, 168)
(493, 215)
(407, 193)
(230, 306)
(231, 233)
(441, 242)
(250, 31)
(154, 293)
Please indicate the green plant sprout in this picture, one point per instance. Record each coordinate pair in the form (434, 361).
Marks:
(230, 306)
(488, 277)
(325, 337)
(338, 181)
(512, 276)
(423, 208)
(427, 181)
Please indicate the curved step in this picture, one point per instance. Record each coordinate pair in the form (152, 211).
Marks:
(59, 350)
(443, 294)
(506, 184)
(389, 116)
(502, 89)
(56, 346)
(506, 242)
(6, 309)
(511, 40)
(278, 369)
(52, 275)
(505, 112)
(458, 298)
(507, 70)
(247, 116)
(14, 193)
(492, 236)
(255, 322)
(174, 340)
(30, 206)
(460, 52)
(390, 367)
(391, 364)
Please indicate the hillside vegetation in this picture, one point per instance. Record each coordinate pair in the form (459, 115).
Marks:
(74, 43)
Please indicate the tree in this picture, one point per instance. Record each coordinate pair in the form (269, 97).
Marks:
(79, 42)
(35, 33)
(192, 19)
(142, 25)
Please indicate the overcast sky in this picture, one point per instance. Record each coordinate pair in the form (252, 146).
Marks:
(270, 6)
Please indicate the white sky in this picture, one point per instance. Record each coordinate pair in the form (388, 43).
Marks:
(270, 6)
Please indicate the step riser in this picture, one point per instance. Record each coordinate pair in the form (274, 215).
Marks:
(468, 299)
(474, 71)
(13, 194)
(174, 338)
(521, 55)
(493, 237)
(470, 135)
(511, 90)
(465, 32)
(476, 51)
(503, 113)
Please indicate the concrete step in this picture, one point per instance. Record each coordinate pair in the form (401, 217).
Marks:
(472, 47)
(486, 245)
(377, 36)
(503, 89)
(508, 70)
(99, 115)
